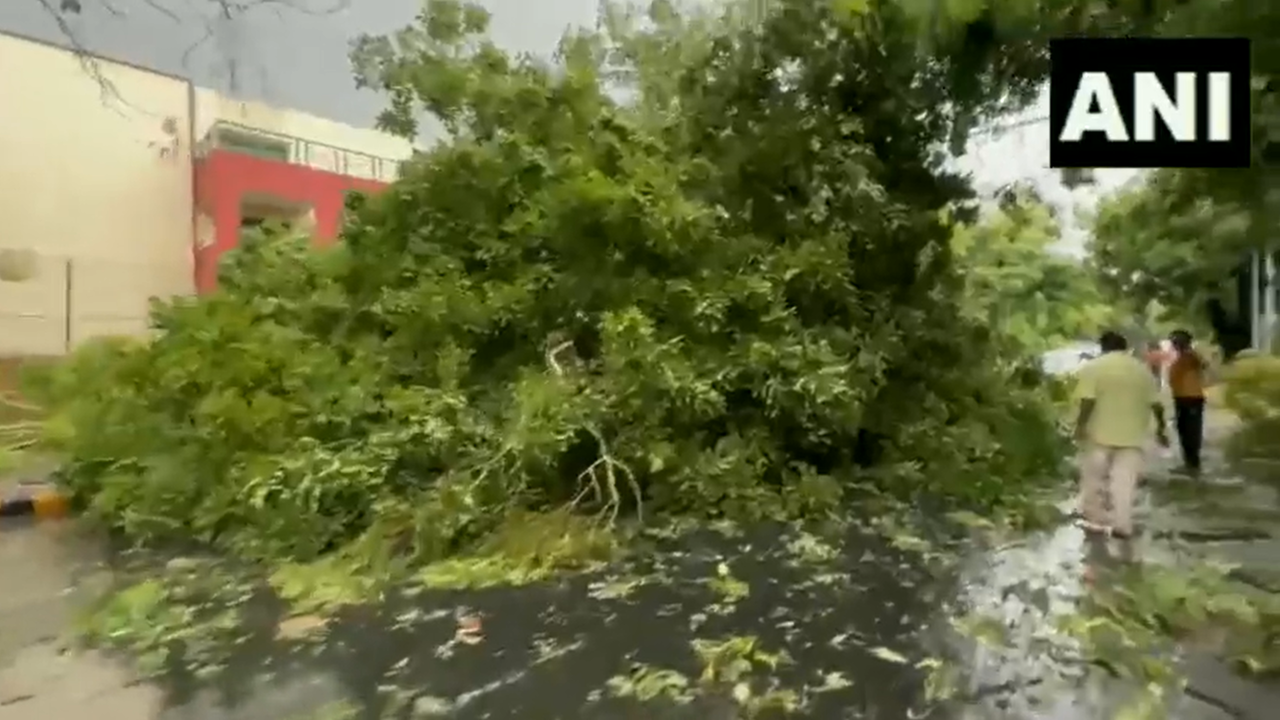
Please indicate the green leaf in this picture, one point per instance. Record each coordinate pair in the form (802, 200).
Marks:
(888, 655)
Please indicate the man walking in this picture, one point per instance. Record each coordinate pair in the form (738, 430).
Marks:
(1186, 382)
(1118, 399)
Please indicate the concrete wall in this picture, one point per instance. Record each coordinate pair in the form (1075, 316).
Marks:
(96, 179)
(100, 164)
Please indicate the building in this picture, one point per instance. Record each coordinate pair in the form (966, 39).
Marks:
(122, 184)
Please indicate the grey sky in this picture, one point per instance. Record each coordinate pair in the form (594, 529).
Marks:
(1022, 153)
(293, 53)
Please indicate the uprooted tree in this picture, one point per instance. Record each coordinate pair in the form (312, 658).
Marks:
(700, 267)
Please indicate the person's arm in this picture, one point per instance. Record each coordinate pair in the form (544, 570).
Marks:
(1157, 409)
(1087, 397)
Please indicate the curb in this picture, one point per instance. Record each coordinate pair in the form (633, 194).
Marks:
(39, 502)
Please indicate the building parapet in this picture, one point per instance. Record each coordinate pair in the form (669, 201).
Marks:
(239, 138)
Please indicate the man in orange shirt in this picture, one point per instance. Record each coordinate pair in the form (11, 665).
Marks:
(1186, 383)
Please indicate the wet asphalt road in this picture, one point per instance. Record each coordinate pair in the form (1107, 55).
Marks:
(547, 650)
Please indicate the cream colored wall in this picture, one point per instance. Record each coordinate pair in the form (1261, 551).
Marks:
(95, 182)
(327, 145)
(95, 187)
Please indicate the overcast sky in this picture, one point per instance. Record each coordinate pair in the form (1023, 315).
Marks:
(1021, 152)
(293, 53)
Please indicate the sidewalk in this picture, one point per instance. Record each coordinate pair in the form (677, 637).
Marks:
(1230, 516)
(1230, 513)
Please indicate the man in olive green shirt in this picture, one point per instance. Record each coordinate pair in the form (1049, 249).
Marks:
(1119, 399)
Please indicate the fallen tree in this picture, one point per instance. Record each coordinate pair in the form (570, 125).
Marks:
(730, 296)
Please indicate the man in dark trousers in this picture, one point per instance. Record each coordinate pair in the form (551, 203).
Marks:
(1186, 384)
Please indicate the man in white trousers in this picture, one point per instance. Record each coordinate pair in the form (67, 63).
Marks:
(1119, 400)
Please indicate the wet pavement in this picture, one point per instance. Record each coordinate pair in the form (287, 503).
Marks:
(861, 629)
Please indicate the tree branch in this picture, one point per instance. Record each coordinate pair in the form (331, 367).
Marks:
(61, 10)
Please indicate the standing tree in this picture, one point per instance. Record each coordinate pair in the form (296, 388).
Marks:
(1015, 281)
(1176, 240)
(1180, 235)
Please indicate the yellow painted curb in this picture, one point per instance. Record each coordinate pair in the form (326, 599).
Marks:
(42, 504)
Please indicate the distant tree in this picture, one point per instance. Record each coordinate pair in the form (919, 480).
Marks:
(1018, 284)
(1180, 238)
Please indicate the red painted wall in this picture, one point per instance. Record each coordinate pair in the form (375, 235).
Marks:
(224, 177)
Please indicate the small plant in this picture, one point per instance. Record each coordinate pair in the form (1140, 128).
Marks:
(1252, 393)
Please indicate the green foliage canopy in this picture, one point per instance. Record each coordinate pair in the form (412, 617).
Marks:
(1016, 281)
(1173, 239)
(1253, 394)
(732, 295)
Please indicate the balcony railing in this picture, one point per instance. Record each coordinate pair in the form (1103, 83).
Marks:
(297, 151)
